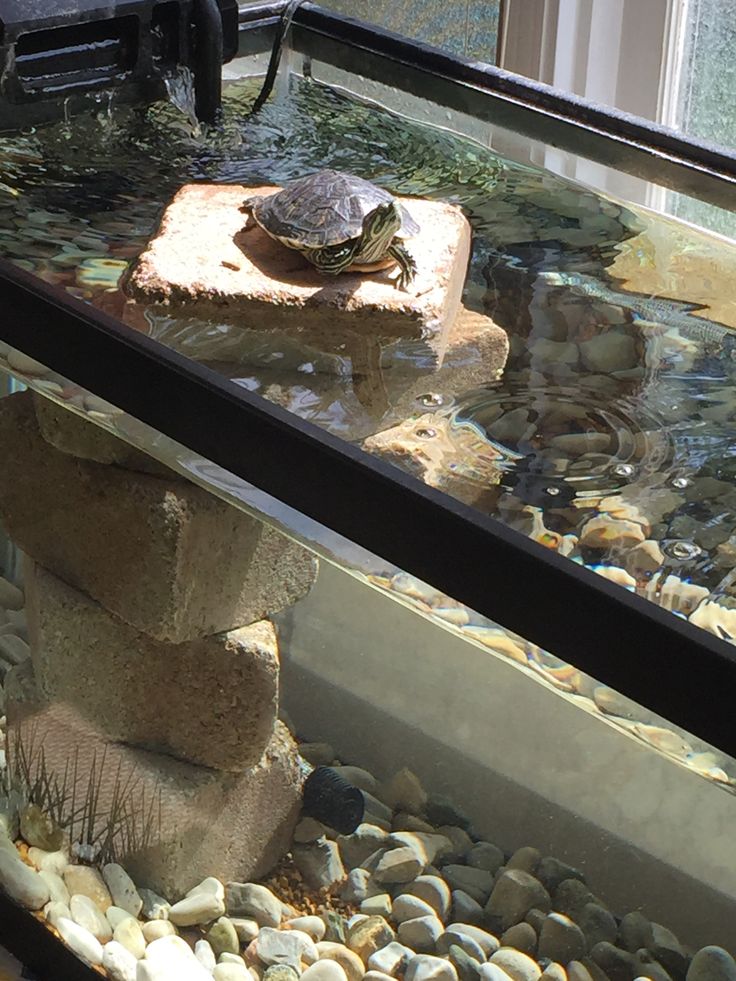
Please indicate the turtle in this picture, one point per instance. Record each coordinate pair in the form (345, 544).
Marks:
(338, 221)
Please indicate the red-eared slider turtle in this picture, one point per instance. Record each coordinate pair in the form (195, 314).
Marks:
(336, 221)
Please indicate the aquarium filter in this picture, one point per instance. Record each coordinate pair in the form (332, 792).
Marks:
(330, 798)
(54, 53)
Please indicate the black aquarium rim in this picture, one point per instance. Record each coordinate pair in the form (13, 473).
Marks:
(36, 947)
(617, 139)
(667, 664)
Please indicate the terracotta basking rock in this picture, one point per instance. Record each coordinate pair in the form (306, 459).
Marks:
(211, 701)
(203, 255)
(165, 556)
(183, 822)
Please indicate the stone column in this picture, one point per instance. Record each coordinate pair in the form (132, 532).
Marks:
(154, 667)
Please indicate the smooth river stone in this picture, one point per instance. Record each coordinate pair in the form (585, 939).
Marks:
(84, 881)
(425, 967)
(253, 901)
(122, 888)
(227, 971)
(465, 908)
(399, 865)
(712, 964)
(452, 938)
(22, 883)
(54, 911)
(170, 959)
(485, 940)
(421, 934)
(485, 855)
(514, 894)
(155, 907)
(369, 935)
(11, 598)
(314, 926)
(522, 936)
(391, 959)
(196, 908)
(429, 847)
(378, 905)
(476, 882)
(346, 958)
(205, 954)
(223, 937)
(119, 963)
(366, 839)
(58, 891)
(87, 915)
(48, 861)
(38, 828)
(561, 939)
(319, 863)
(84, 944)
(129, 934)
(492, 972)
(525, 858)
(407, 907)
(433, 890)
(325, 971)
(404, 792)
(285, 947)
(519, 967)
(155, 929)
(467, 967)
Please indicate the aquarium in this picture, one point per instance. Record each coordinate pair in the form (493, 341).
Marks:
(390, 637)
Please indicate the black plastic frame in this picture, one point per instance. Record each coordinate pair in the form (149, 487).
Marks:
(667, 664)
(621, 639)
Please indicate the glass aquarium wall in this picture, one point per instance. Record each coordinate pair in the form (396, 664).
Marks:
(237, 746)
(465, 27)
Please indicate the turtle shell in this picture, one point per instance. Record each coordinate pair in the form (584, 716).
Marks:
(326, 208)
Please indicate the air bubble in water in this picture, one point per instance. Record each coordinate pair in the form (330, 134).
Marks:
(683, 550)
(624, 470)
(426, 433)
(680, 483)
(430, 399)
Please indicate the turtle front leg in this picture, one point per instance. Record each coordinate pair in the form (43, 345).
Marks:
(407, 265)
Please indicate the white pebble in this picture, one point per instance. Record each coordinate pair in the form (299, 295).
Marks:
(519, 967)
(118, 962)
(231, 972)
(205, 954)
(26, 365)
(424, 967)
(116, 915)
(171, 959)
(312, 925)
(129, 934)
(325, 971)
(87, 915)
(122, 888)
(22, 883)
(56, 886)
(48, 861)
(81, 941)
(197, 907)
(55, 911)
(155, 929)
(226, 957)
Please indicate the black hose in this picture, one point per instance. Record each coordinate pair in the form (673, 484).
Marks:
(273, 63)
(208, 55)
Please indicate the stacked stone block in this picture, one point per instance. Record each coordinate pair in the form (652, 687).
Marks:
(147, 606)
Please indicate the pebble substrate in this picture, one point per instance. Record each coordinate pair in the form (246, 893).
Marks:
(411, 895)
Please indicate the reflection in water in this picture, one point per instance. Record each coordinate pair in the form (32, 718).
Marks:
(610, 435)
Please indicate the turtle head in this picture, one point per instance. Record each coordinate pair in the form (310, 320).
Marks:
(379, 228)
